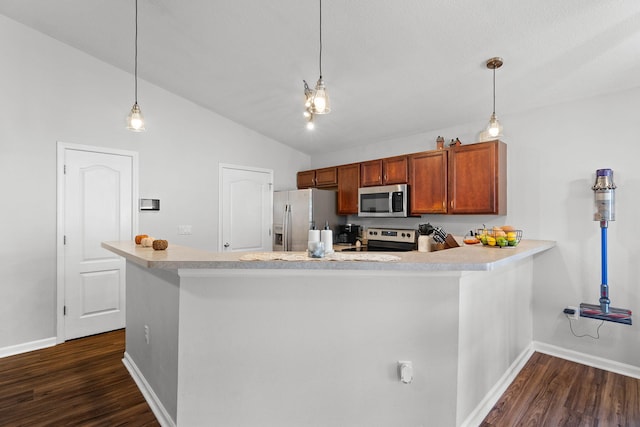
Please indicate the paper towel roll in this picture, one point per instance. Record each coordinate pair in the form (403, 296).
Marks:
(314, 235)
(326, 236)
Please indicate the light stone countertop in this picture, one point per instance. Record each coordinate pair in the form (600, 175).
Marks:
(464, 258)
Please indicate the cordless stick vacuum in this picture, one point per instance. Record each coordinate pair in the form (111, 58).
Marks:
(605, 211)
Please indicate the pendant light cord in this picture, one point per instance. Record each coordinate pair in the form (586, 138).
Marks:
(320, 39)
(494, 90)
(135, 66)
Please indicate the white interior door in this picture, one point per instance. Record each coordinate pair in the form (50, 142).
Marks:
(246, 202)
(98, 200)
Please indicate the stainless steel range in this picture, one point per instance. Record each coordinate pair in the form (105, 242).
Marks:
(389, 239)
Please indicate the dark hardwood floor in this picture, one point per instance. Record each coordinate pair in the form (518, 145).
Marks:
(84, 383)
(550, 391)
(78, 383)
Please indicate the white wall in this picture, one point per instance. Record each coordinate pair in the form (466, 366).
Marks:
(301, 348)
(157, 360)
(553, 154)
(51, 92)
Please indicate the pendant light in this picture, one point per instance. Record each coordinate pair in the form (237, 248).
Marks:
(316, 101)
(494, 128)
(135, 120)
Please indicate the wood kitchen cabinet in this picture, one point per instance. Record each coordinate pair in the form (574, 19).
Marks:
(318, 178)
(390, 170)
(478, 178)
(327, 177)
(395, 170)
(306, 179)
(464, 179)
(348, 184)
(371, 173)
(428, 182)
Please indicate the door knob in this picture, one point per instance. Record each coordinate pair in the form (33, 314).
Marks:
(226, 245)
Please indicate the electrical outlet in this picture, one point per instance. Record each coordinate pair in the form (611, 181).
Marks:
(572, 312)
(405, 371)
(146, 333)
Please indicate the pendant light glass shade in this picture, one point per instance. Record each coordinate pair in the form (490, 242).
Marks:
(135, 120)
(494, 128)
(320, 103)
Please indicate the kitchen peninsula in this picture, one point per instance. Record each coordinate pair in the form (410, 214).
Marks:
(215, 340)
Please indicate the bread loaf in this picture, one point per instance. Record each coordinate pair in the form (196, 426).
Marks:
(160, 245)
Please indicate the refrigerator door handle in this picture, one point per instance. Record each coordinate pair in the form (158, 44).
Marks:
(285, 227)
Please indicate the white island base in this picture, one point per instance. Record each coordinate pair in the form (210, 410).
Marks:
(295, 347)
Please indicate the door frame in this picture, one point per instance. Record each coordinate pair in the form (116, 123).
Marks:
(60, 194)
(221, 168)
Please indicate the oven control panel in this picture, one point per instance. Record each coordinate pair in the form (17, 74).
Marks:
(392, 235)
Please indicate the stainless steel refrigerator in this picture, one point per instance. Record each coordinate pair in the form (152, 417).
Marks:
(295, 212)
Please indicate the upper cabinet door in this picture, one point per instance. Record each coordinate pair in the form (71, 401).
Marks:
(327, 177)
(371, 173)
(306, 179)
(348, 184)
(395, 170)
(390, 170)
(428, 182)
(478, 178)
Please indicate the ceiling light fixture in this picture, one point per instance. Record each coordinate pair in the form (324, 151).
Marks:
(135, 120)
(317, 100)
(494, 128)
(308, 94)
(308, 100)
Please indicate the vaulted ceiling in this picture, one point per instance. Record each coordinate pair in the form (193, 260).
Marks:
(392, 68)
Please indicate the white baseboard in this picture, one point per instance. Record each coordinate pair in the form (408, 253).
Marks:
(488, 402)
(27, 347)
(586, 359)
(157, 407)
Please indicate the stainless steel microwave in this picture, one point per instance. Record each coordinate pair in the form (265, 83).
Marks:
(383, 201)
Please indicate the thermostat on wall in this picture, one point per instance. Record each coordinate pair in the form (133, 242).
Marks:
(149, 204)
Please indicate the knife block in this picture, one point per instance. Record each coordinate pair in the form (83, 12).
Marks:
(449, 242)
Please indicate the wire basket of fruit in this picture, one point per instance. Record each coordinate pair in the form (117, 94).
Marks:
(499, 237)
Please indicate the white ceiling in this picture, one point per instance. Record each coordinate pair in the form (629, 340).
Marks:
(392, 68)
